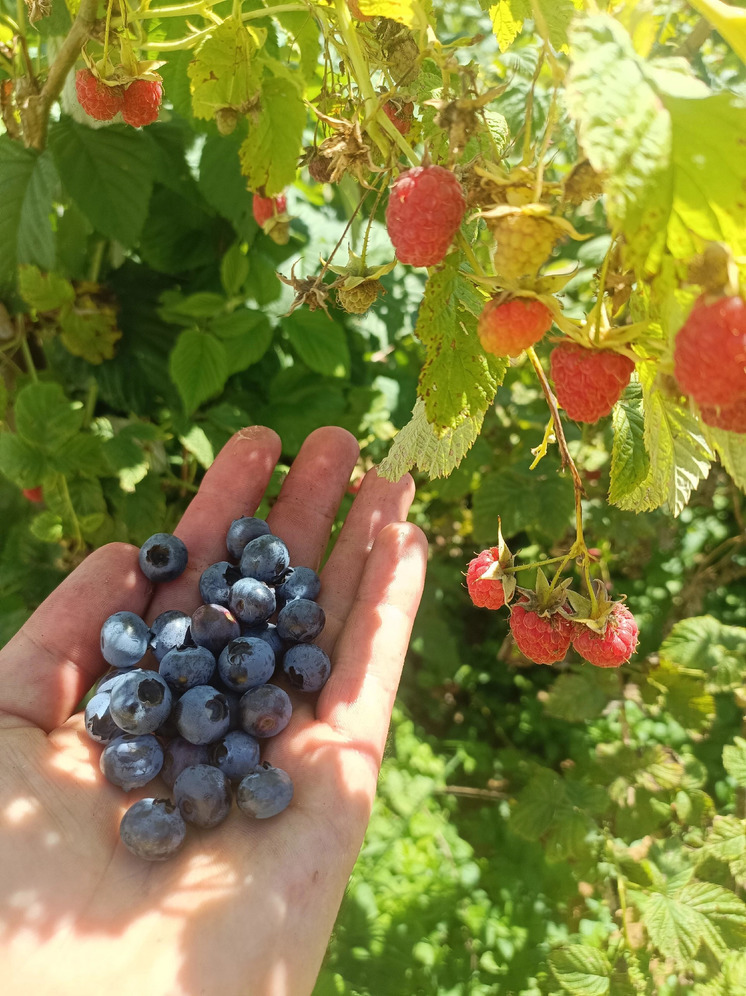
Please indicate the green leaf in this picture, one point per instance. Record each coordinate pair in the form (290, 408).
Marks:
(538, 805)
(731, 449)
(224, 73)
(109, 174)
(726, 841)
(734, 760)
(458, 379)
(581, 970)
(44, 291)
(90, 333)
(629, 458)
(198, 367)
(234, 269)
(319, 342)
(45, 416)
(246, 336)
(686, 698)
(507, 18)
(576, 698)
(539, 501)
(81, 454)
(196, 442)
(702, 643)
(269, 156)
(223, 186)
(142, 510)
(418, 445)
(47, 526)
(27, 180)
(22, 462)
(728, 20)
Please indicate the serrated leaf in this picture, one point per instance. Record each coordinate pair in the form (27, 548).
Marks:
(44, 291)
(234, 269)
(726, 841)
(45, 416)
(224, 72)
(539, 805)
(704, 644)
(143, 509)
(198, 367)
(27, 180)
(222, 184)
(540, 502)
(576, 698)
(731, 449)
(507, 18)
(269, 156)
(581, 970)
(458, 379)
(629, 458)
(90, 333)
(319, 342)
(686, 698)
(246, 336)
(109, 174)
(81, 454)
(734, 760)
(21, 462)
(417, 445)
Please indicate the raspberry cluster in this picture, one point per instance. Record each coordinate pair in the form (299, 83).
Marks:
(192, 698)
(139, 101)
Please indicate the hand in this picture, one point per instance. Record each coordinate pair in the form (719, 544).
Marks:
(246, 909)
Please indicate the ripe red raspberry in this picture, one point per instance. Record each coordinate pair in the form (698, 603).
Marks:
(142, 101)
(732, 418)
(710, 352)
(543, 639)
(98, 100)
(487, 593)
(266, 207)
(588, 382)
(424, 212)
(615, 645)
(400, 117)
(35, 495)
(506, 328)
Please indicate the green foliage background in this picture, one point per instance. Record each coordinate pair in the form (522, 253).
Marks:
(538, 830)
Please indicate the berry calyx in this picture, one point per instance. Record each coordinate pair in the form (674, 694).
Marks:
(588, 382)
(506, 328)
(710, 352)
(142, 101)
(425, 209)
(98, 100)
(612, 646)
(543, 639)
(731, 418)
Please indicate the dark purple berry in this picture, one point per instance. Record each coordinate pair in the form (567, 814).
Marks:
(264, 792)
(163, 557)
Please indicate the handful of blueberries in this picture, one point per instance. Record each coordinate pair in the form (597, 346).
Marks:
(198, 720)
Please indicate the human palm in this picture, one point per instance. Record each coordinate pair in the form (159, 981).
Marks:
(247, 908)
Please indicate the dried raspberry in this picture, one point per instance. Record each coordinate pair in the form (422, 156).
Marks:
(710, 352)
(98, 100)
(424, 212)
(487, 593)
(615, 645)
(732, 418)
(267, 207)
(543, 639)
(142, 101)
(506, 328)
(588, 382)
(357, 300)
(321, 168)
(400, 117)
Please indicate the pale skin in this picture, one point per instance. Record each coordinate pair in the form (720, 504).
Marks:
(246, 909)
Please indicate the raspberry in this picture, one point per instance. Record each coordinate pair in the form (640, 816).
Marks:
(615, 645)
(588, 382)
(710, 352)
(267, 207)
(506, 328)
(98, 100)
(424, 212)
(142, 100)
(400, 117)
(357, 300)
(732, 418)
(543, 639)
(35, 495)
(524, 241)
(487, 593)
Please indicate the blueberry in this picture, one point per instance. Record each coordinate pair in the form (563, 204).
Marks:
(235, 755)
(105, 683)
(163, 557)
(179, 754)
(171, 629)
(132, 761)
(265, 711)
(214, 627)
(264, 792)
(307, 667)
(301, 621)
(241, 531)
(153, 829)
(140, 701)
(246, 663)
(203, 794)
(124, 639)
(216, 582)
(234, 708)
(265, 558)
(98, 722)
(183, 669)
(202, 715)
(268, 633)
(299, 582)
(252, 601)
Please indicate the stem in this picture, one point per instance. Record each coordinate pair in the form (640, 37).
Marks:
(470, 254)
(371, 218)
(551, 121)
(68, 501)
(109, 8)
(541, 24)
(594, 318)
(90, 402)
(96, 260)
(567, 460)
(536, 563)
(344, 233)
(526, 157)
(28, 359)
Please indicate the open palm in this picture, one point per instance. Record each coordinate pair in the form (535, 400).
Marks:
(246, 909)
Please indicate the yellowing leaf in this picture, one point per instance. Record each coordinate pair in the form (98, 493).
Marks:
(269, 155)
(408, 12)
(418, 445)
(507, 20)
(89, 332)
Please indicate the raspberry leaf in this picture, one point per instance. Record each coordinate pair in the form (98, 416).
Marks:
(269, 156)
(418, 445)
(224, 72)
(198, 366)
(630, 463)
(731, 449)
(27, 181)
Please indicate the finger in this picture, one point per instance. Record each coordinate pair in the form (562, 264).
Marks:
(55, 657)
(310, 496)
(233, 486)
(358, 697)
(378, 503)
